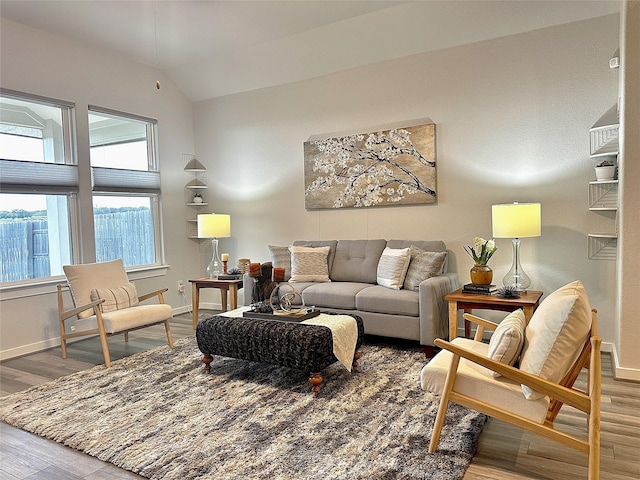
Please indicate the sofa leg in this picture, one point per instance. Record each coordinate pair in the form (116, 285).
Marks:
(356, 357)
(429, 351)
(207, 359)
(315, 379)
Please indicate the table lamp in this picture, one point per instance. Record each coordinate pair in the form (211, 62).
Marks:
(214, 226)
(516, 221)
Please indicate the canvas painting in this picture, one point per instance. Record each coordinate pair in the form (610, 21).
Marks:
(391, 167)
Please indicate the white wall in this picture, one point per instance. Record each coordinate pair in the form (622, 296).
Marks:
(38, 63)
(626, 353)
(513, 118)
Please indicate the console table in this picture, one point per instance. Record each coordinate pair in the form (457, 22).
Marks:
(231, 286)
(458, 300)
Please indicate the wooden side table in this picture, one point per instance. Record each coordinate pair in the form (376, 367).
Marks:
(231, 286)
(528, 301)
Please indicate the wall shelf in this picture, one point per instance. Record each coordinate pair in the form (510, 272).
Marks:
(194, 186)
(604, 134)
(603, 246)
(603, 195)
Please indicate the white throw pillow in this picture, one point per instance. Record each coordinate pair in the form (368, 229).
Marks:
(507, 339)
(116, 298)
(423, 265)
(281, 258)
(309, 264)
(392, 267)
(555, 335)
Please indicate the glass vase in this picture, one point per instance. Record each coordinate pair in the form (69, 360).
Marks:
(481, 275)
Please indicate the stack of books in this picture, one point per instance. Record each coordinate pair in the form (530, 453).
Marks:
(480, 289)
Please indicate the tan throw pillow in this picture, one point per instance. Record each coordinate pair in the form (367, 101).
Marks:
(555, 335)
(423, 265)
(116, 298)
(309, 264)
(281, 258)
(507, 339)
(392, 267)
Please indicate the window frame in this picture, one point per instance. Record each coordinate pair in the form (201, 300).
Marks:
(120, 182)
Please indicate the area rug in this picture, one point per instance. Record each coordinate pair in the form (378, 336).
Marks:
(158, 414)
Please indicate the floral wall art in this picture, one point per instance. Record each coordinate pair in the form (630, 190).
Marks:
(391, 167)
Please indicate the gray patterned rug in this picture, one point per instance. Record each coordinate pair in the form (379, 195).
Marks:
(159, 415)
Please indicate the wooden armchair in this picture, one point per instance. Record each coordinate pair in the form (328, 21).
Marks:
(560, 340)
(105, 304)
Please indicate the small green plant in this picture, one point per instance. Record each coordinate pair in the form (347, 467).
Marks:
(481, 251)
(605, 163)
(197, 195)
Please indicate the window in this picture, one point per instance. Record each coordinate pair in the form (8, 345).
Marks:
(38, 180)
(40, 198)
(126, 187)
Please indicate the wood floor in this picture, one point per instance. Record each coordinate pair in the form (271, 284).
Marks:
(504, 452)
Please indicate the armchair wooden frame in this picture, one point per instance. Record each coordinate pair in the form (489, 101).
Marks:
(559, 393)
(100, 330)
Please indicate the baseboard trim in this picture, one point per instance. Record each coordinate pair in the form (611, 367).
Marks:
(623, 373)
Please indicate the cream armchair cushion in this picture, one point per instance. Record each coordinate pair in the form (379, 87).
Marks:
(85, 277)
(478, 382)
(555, 334)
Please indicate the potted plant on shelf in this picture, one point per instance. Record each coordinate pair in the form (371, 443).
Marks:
(197, 198)
(605, 170)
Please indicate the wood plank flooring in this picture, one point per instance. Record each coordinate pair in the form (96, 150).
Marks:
(504, 452)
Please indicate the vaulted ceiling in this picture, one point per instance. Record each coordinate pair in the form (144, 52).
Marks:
(214, 48)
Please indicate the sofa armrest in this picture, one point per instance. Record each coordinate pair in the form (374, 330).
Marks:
(434, 312)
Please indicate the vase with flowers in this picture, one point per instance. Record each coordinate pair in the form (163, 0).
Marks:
(481, 251)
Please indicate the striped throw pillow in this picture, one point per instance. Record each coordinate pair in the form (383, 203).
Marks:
(392, 267)
(116, 298)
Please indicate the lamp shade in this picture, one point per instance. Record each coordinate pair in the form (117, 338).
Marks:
(516, 220)
(214, 225)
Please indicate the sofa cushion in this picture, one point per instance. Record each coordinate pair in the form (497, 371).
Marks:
(309, 264)
(555, 334)
(281, 258)
(116, 298)
(426, 245)
(507, 339)
(357, 260)
(392, 267)
(320, 243)
(423, 265)
(333, 295)
(376, 298)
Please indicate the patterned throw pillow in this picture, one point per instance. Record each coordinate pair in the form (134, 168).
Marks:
(507, 339)
(116, 298)
(281, 258)
(392, 267)
(309, 264)
(423, 265)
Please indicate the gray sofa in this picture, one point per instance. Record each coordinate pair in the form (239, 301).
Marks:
(420, 315)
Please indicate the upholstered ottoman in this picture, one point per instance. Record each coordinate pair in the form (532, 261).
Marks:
(289, 344)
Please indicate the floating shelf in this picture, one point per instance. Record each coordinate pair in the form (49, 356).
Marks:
(603, 195)
(604, 134)
(202, 204)
(192, 228)
(603, 246)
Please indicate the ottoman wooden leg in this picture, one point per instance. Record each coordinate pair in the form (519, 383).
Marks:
(207, 359)
(315, 380)
(356, 357)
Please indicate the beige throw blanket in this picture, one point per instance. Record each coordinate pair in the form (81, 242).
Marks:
(344, 331)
